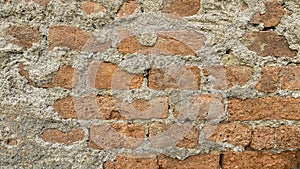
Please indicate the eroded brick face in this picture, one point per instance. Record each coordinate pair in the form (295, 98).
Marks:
(65, 77)
(177, 42)
(263, 108)
(107, 76)
(269, 80)
(236, 134)
(288, 137)
(92, 7)
(229, 76)
(74, 38)
(24, 35)
(181, 8)
(116, 135)
(272, 16)
(268, 43)
(263, 138)
(58, 136)
(291, 78)
(128, 8)
(250, 159)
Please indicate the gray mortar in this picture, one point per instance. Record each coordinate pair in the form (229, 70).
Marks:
(25, 111)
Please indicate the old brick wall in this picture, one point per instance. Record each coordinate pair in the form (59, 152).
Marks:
(150, 84)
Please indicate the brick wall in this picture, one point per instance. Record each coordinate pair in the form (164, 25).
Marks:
(150, 84)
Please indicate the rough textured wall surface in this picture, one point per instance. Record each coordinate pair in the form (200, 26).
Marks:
(150, 84)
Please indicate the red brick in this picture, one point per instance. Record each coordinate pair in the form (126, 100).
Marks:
(201, 107)
(235, 134)
(268, 43)
(25, 74)
(229, 76)
(57, 136)
(65, 108)
(116, 135)
(109, 76)
(263, 138)
(177, 42)
(24, 35)
(291, 78)
(264, 160)
(183, 78)
(92, 7)
(181, 8)
(65, 77)
(133, 161)
(128, 8)
(288, 137)
(157, 131)
(267, 108)
(75, 39)
(272, 16)
(269, 80)
(205, 161)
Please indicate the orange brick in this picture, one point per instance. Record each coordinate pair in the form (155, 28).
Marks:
(229, 76)
(269, 80)
(65, 77)
(263, 138)
(268, 43)
(124, 161)
(291, 78)
(181, 8)
(251, 159)
(272, 16)
(288, 137)
(266, 108)
(157, 131)
(183, 78)
(177, 42)
(65, 108)
(75, 39)
(25, 74)
(128, 8)
(57, 136)
(24, 35)
(235, 134)
(205, 161)
(116, 135)
(109, 76)
(92, 7)
(201, 107)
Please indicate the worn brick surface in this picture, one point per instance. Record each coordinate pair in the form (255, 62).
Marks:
(288, 137)
(116, 135)
(184, 78)
(291, 78)
(206, 161)
(268, 43)
(272, 15)
(235, 134)
(108, 76)
(92, 7)
(177, 42)
(250, 159)
(181, 7)
(58, 136)
(128, 8)
(65, 77)
(263, 138)
(24, 35)
(74, 39)
(269, 80)
(263, 108)
(229, 76)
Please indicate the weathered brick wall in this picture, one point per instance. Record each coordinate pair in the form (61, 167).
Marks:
(150, 84)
